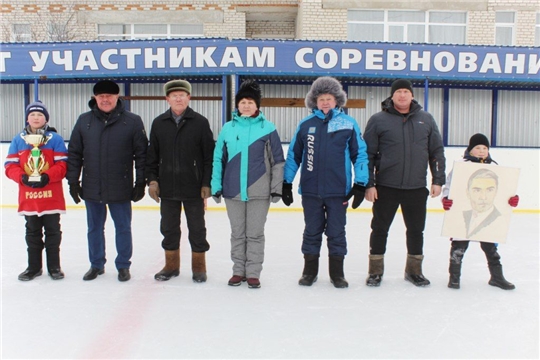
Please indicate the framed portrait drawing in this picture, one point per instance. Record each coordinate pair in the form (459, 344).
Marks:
(480, 193)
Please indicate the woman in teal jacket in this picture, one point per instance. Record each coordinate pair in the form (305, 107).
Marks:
(248, 173)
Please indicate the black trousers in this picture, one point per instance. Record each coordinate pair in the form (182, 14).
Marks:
(413, 208)
(171, 211)
(35, 243)
(460, 246)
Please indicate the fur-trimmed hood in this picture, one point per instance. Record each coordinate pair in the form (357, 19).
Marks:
(326, 85)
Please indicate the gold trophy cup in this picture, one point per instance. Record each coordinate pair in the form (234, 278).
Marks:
(35, 161)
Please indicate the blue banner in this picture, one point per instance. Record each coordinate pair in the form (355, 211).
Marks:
(267, 57)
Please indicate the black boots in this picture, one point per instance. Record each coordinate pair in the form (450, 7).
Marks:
(172, 266)
(494, 264)
(30, 274)
(376, 270)
(456, 257)
(123, 275)
(311, 269)
(413, 270)
(56, 273)
(455, 274)
(35, 264)
(53, 264)
(498, 280)
(93, 273)
(336, 272)
(495, 268)
(198, 266)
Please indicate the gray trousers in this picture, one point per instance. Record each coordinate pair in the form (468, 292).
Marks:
(247, 220)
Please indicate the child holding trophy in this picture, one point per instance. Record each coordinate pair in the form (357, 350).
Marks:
(36, 160)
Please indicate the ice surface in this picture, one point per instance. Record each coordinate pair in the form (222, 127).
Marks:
(179, 319)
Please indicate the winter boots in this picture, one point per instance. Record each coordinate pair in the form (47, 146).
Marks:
(198, 266)
(376, 270)
(35, 264)
(236, 280)
(456, 256)
(253, 283)
(336, 271)
(172, 266)
(413, 270)
(494, 264)
(311, 269)
(30, 274)
(497, 278)
(53, 264)
(495, 269)
(455, 274)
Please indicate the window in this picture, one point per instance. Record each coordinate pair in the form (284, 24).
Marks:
(148, 31)
(21, 32)
(537, 36)
(448, 27)
(504, 27)
(60, 31)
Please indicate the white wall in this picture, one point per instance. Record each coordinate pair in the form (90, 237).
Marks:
(528, 160)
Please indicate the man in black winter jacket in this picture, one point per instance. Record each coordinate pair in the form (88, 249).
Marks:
(104, 144)
(402, 140)
(179, 170)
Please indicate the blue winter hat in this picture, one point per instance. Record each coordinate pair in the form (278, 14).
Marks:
(37, 106)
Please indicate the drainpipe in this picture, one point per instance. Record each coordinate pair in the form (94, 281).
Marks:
(36, 90)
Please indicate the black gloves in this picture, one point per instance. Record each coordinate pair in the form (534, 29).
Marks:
(358, 191)
(286, 194)
(75, 191)
(217, 197)
(44, 180)
(138, 192)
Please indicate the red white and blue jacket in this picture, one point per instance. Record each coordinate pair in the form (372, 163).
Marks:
(39, 201)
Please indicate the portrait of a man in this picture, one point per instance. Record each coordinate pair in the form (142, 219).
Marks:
(481, 191)
(480, 194)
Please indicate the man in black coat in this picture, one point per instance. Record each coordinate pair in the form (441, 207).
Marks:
(104, 144)
(402, 142)
(178, 170)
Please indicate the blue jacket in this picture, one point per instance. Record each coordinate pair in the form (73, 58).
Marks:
(326, 148)
(248, 159)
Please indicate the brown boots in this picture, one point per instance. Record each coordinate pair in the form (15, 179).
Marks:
(413, 270)
(198, 266)
(172, 266)
(376, 270)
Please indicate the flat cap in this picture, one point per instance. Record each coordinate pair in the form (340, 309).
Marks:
(177, 85)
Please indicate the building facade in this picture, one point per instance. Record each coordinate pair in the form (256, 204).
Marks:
(507, 110)
(482, 22)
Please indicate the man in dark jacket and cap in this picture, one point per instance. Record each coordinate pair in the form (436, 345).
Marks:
(104, 144)
(178, 170)
(402, 140)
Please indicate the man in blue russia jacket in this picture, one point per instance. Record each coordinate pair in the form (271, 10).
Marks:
(326, 147)
(105, 143)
